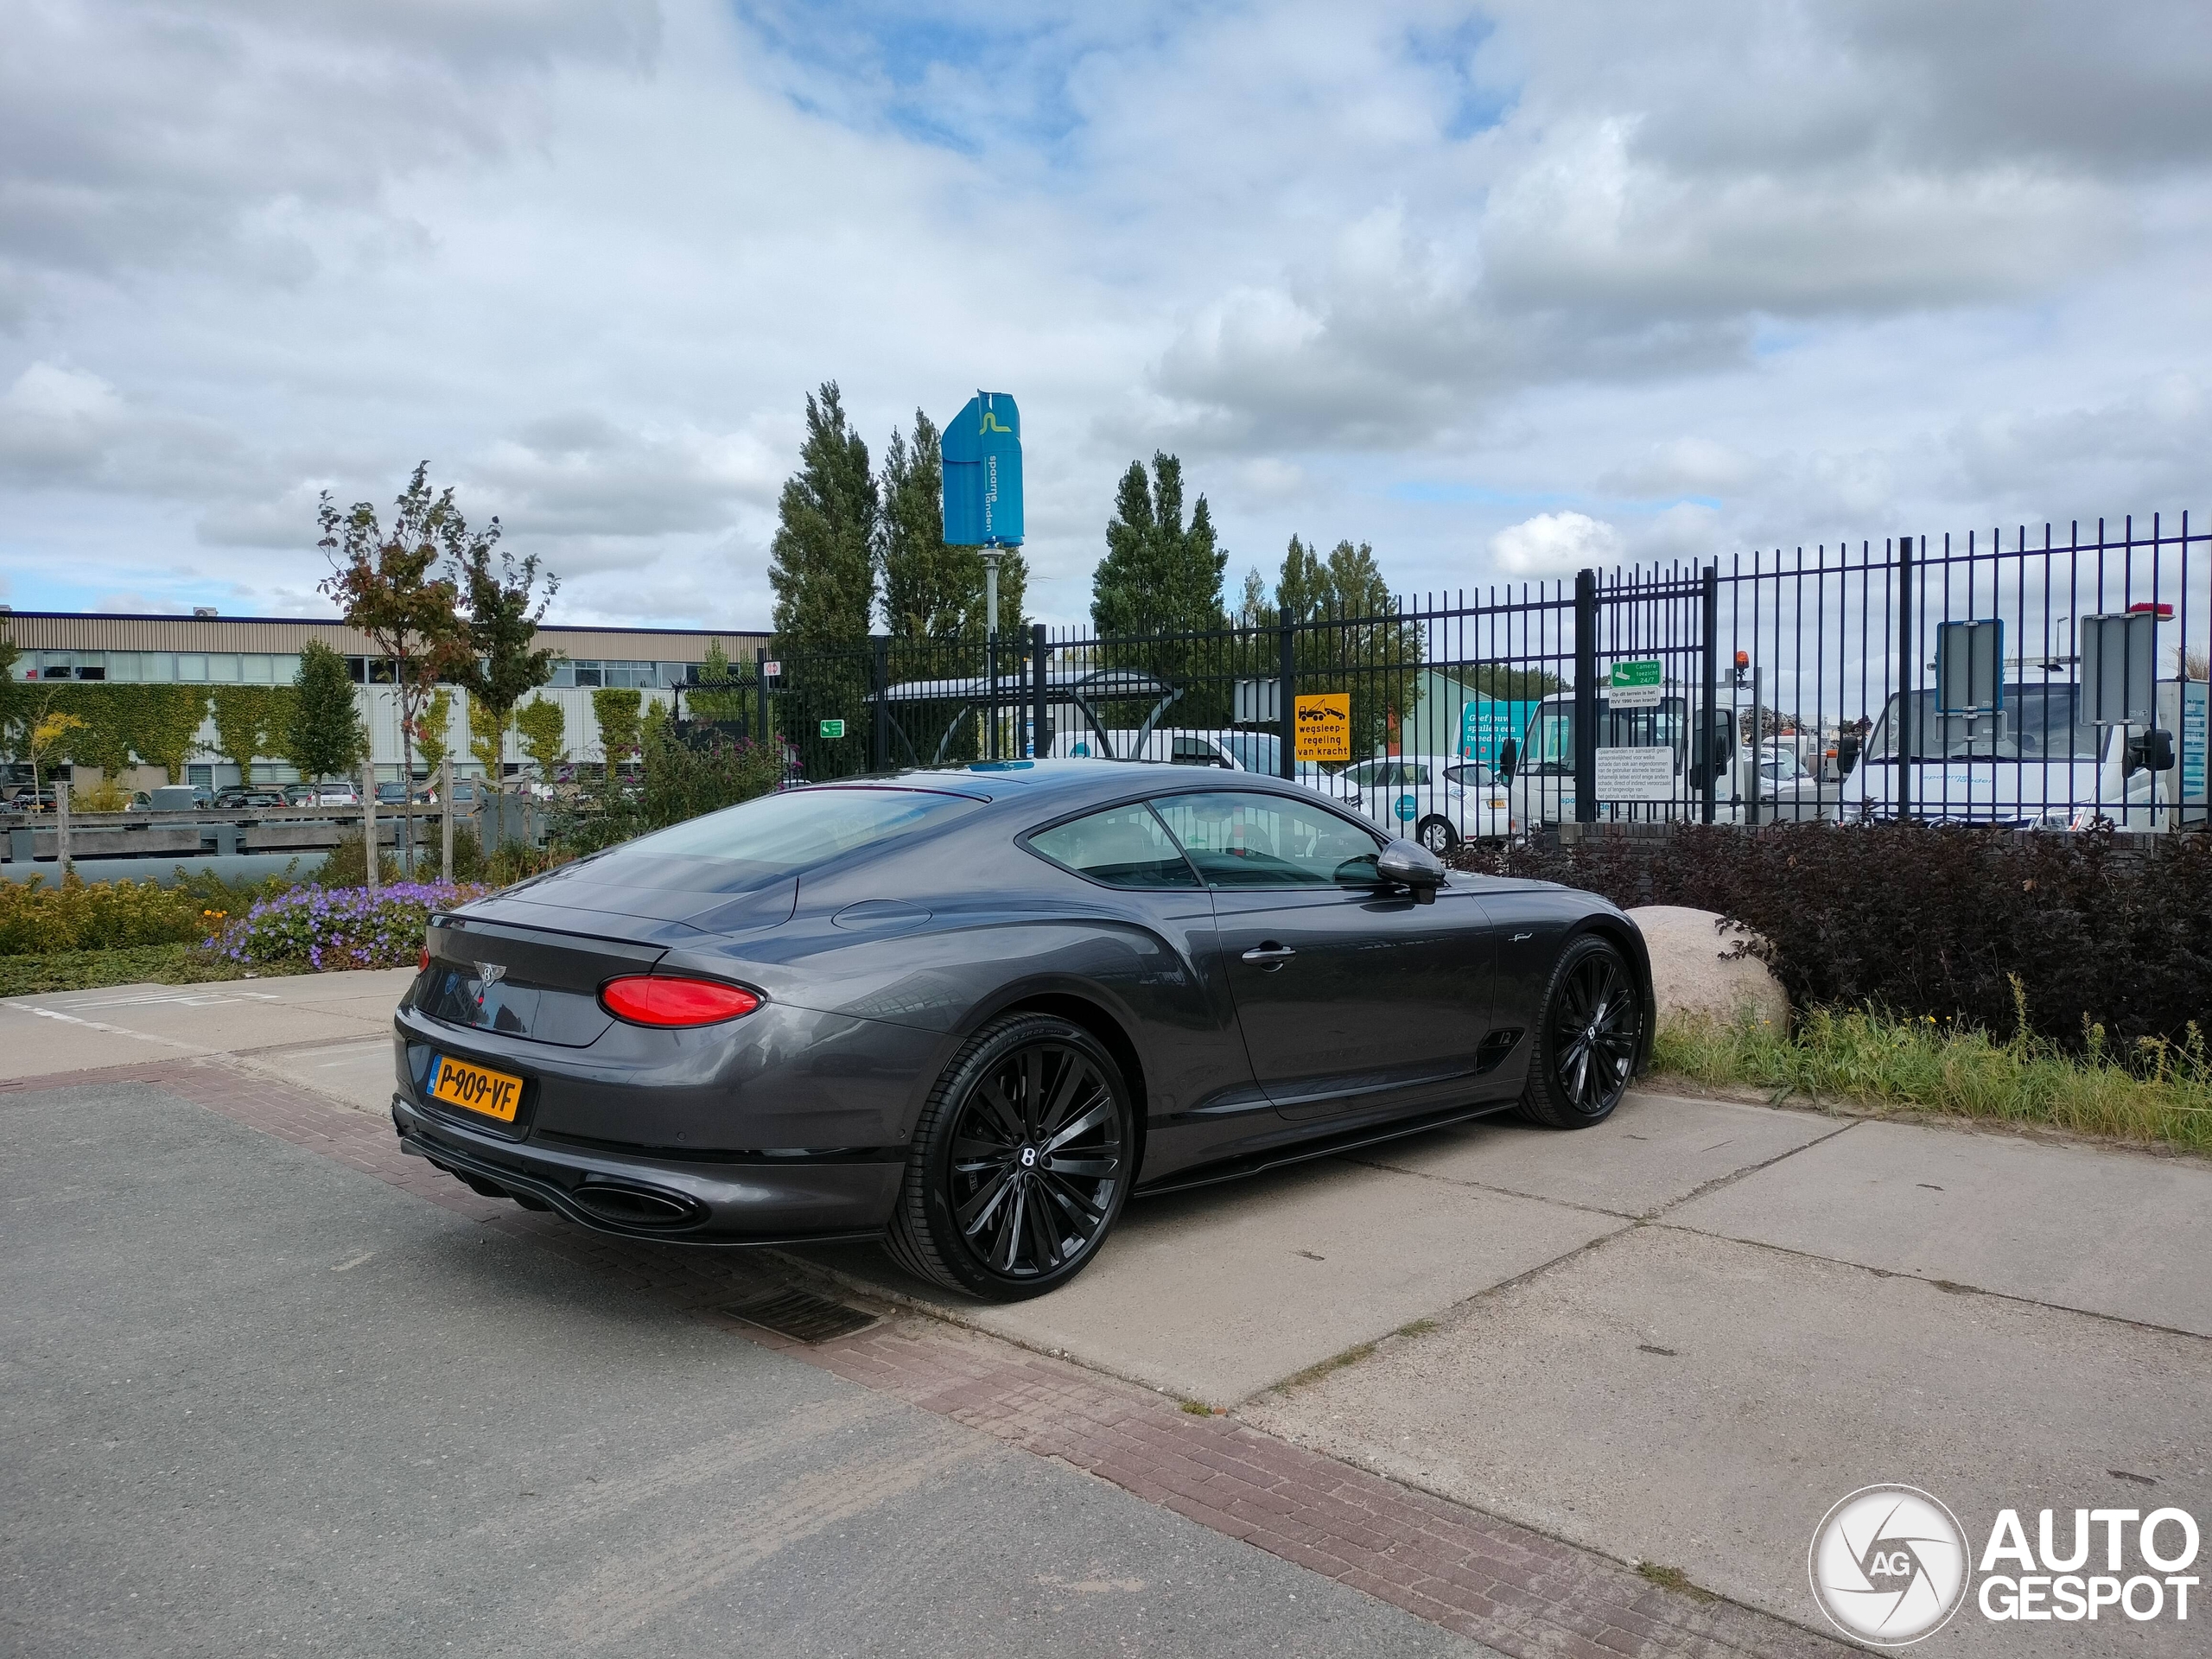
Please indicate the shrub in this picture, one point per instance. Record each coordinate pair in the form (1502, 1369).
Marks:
(327, 928)
(347, 865)
(1920, 920)
(681, 780)
(106, 796)
(93, 916)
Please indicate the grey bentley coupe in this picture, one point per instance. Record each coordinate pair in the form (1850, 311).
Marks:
(971, 1012)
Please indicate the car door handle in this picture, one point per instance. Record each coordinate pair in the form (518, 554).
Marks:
(1269, 955)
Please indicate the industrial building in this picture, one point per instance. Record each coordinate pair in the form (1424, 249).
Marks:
(207, 649)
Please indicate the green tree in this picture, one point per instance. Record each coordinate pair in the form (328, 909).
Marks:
(13, 694)
(616, 710)
(384, 582)
(434, 734)
(544, 730)
(822, 569)
(504, 607)
(720, 696)
(324, 736)
(821, 564)
(1363, 648)
(1160, 575)
(931, 591)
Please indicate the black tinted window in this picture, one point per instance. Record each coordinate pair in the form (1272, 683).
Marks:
(1125, 848)
(1240, 840)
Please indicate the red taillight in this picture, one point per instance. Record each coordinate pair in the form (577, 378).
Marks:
(423, 966)
(649, 1000)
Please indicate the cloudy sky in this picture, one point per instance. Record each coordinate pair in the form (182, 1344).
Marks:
(1502, 289)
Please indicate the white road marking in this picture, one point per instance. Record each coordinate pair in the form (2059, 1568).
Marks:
(100, 1024)
(347, 1266)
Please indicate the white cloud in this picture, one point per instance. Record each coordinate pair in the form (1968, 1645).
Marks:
(1556, 545)
(1829, 266)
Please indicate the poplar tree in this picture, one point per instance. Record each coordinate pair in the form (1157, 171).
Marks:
(323, 736)
(822, 563)
(1160, 575)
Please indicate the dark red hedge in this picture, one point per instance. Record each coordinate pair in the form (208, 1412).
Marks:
(1918, 919)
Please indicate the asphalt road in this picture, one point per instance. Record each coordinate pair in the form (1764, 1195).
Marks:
(256, 1402)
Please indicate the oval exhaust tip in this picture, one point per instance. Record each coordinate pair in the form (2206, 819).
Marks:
(637, 1206)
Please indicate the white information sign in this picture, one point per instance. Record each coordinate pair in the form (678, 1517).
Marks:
(1638, 774)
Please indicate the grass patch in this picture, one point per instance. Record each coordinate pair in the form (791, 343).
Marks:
(1672, 1578)
(1197, 1407)
(2159, 1093)
(1333, 1363)
(137, 964)
(1418, 1328)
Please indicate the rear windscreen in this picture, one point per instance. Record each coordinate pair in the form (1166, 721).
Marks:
(780, 835)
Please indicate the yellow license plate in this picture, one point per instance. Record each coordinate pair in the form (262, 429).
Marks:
(475, 1088)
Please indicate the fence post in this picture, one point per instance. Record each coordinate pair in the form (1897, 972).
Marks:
(61, 830)
(369, 849)
(1040, 744)
(760, 694)
(879, 735)
(1586, 697)
(1904, 741)
(445, 820)
(1287, 701)
(1710, 582)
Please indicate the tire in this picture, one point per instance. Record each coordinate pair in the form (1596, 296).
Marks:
(1437, 835)
(1021, 1162)
(1587, 1038)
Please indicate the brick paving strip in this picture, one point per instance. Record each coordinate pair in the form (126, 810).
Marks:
(1516, 1590)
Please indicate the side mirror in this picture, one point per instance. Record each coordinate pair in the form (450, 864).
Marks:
(1509, 760)
(2152, 752)
(1408, 864)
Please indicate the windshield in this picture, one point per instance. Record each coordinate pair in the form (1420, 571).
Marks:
(780, 835)
(1255, 750)
(2037, 722)
(1551, 734)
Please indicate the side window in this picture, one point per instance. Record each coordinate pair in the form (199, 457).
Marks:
(1239, 839)
(1194, 752)
(1125, 848)
(1365, 775)
(1551, 740)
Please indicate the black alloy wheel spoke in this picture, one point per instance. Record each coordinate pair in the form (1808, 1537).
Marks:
(1032, 1091)
(1081, 1211)
(1004, 1115)
(1044, 1235)
(977, 1212)
(1090, 1120)
(1074, 1074)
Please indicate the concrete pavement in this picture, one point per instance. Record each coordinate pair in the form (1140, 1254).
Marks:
(255, 1402)
(1675, 1339)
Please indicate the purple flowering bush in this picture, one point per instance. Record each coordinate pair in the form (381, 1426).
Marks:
(331, 928)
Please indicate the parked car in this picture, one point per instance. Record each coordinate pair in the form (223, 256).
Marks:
(337, 794)
(140, 801)
(1031, 988)
(26, 799)
(237, 795)
(1437, 800)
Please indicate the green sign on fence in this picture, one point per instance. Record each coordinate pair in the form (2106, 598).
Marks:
(1635, 685)
(833, 728)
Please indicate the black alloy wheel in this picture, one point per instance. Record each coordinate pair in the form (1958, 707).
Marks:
(1590, 1035)
(1022, 1161)
(1438, 836)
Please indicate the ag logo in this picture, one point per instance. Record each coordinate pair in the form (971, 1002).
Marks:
(1889, 1565)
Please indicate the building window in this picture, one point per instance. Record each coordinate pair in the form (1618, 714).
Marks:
(589, 673)
(257, 665)
(222, 667)
(564, 673)
(191, 666)
(157, 667)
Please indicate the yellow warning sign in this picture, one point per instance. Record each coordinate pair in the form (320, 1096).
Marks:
(1323, 725)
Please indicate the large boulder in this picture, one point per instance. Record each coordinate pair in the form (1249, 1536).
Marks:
(1697, 974)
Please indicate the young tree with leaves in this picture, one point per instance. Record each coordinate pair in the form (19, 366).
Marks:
(504, 607)
(385, 583)
(323, 736)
